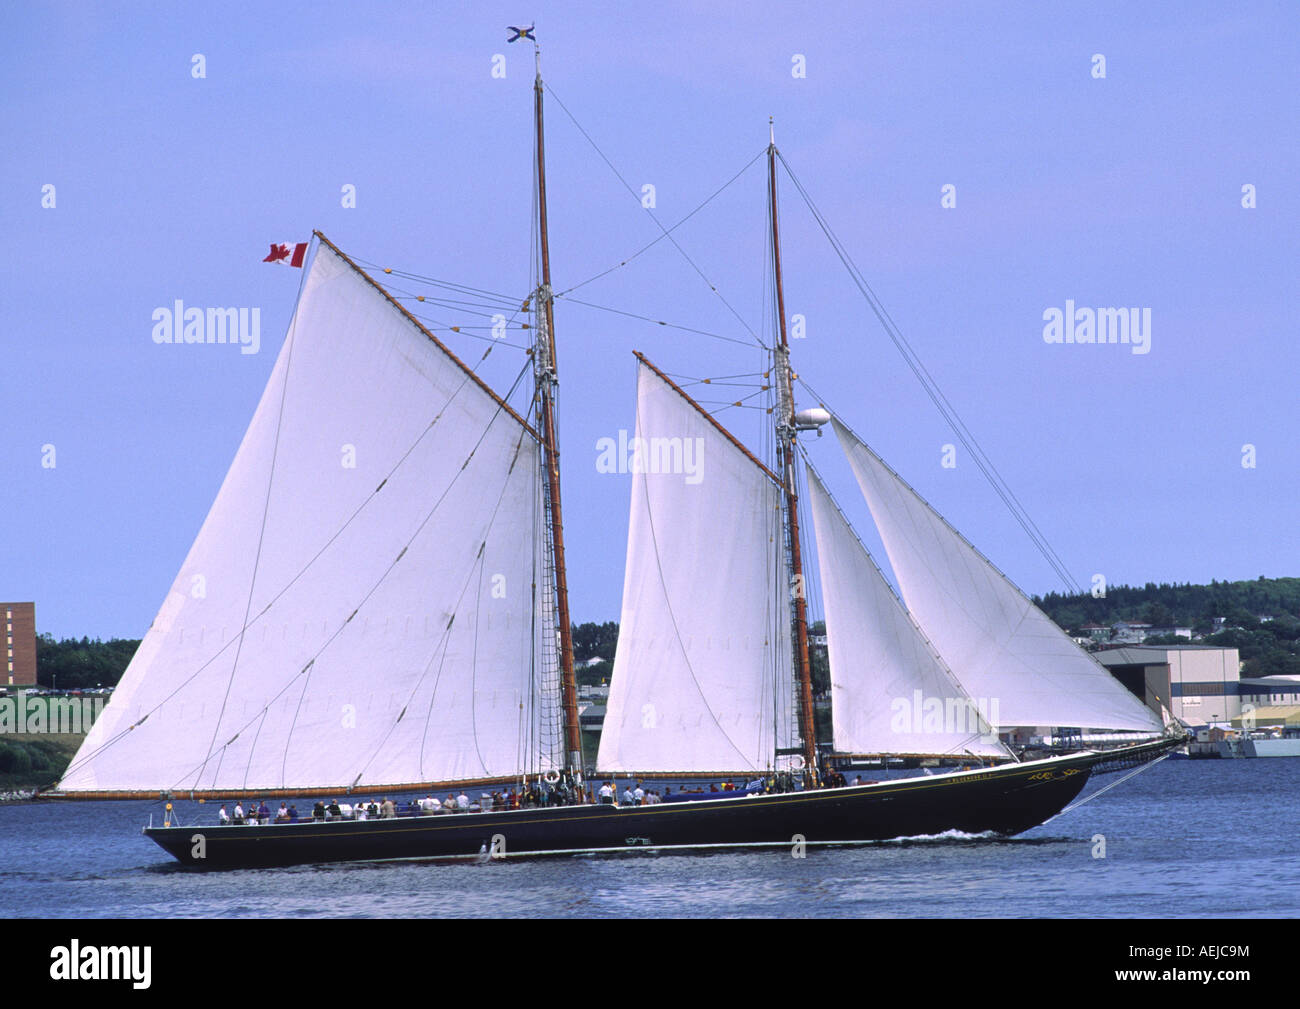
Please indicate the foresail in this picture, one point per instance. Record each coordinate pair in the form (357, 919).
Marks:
(890, 691)
(998, 644)
(703, 660)
(358, 606)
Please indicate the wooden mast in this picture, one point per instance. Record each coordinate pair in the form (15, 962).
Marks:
(544, 370)
(785, 429)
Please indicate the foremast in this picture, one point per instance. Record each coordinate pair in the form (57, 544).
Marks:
(546, 389)
(786, 433)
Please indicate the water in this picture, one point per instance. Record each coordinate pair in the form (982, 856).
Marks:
(1218, 838)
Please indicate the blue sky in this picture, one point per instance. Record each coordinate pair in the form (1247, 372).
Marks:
(1118, 191)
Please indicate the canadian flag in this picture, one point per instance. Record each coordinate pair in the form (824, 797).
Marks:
(287, 253)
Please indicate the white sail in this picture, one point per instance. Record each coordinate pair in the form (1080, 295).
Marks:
(999, 645)
(890, 691)
(703, 659)
(358, 605)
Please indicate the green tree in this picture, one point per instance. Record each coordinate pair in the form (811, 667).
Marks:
(72, 663)
(594, 640)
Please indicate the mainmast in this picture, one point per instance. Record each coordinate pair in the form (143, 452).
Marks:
(786, 433)
(546, 387)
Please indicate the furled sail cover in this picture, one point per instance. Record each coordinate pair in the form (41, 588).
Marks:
(1001, 647)
(375, 535)
(890, 691)
(703, 659)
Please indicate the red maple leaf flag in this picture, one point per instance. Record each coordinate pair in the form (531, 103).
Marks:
(288, 253)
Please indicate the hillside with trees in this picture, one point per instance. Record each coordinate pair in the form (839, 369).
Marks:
(1260, 618)
(78, 664)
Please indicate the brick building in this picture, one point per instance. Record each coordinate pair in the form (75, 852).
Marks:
(19, 658)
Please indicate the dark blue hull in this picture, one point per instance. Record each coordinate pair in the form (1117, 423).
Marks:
(1005, 800)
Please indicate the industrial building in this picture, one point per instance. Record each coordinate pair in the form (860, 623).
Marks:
(1199, 684)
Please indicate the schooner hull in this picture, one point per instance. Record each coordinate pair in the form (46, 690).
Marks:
(1005, 800)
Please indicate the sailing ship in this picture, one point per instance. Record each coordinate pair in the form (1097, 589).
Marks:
(401, 624)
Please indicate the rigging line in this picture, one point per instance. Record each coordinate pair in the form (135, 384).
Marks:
(434, 282)
(500, 301)
(479, 310)
(659, 322)
(735, 402)
(373, 589)
(497, 304)
(936, 395)
(513, 305)
(654, 217)
(684, 380)
(491, 311)
(953, 681)
(248, 766)
(739, 404)
(440, 653)
(724, 407)
(478, 615)
(518, 307)
(719, 384)
(466, 331)
(1137, 770)
(667, 231)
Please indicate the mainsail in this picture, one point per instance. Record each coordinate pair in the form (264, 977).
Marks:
(996, 641)
(358, 608)
(890, 691)
(701, 677)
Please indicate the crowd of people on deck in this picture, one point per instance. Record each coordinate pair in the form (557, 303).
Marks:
(561, 790)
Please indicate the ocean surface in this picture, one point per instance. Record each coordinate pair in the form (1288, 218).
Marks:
(1208, 838)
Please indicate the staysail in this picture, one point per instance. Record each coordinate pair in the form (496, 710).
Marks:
(997, 643)
(358, 607)
(890, 691)
(702, 670)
